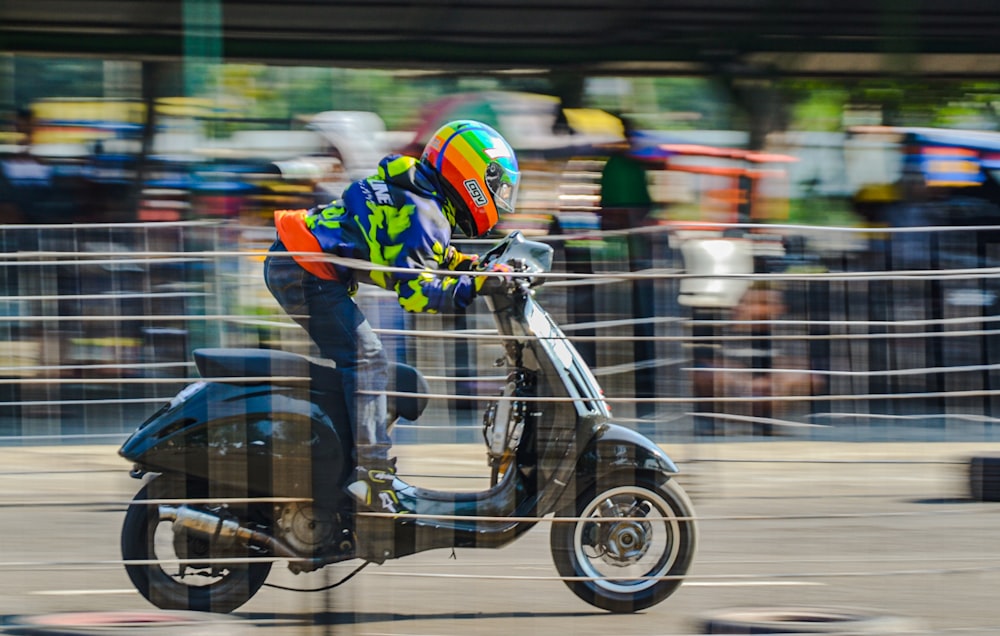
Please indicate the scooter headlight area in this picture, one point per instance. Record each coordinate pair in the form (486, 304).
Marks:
(249, 467)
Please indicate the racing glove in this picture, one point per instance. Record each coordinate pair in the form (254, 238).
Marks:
(493, 283)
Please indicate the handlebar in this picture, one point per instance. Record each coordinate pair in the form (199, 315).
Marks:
(522, 256)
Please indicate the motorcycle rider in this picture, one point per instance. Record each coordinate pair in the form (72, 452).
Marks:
(400, 221)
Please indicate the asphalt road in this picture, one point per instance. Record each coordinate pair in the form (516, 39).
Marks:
(884, 527)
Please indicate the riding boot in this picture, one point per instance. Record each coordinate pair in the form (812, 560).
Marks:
(373, 487)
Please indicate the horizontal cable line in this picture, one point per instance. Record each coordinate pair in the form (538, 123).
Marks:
(915, 275)
(756, 420)
(235, 379)
(118, 563)
(705, 577)
(111, 295)
(609, 324)
(692, 578)
(465, 378)
(731, 576)
(80, 436)
(490, 334)
(458, 335)
(835, 462)
(272, 324)
(133, 318)
(937, 558)
(586, 280)
(21, 473)
(75, 227)
(495, 519)
(566, 278)
(708, 340)
(482, 335)
(98, 257)
(24, 258)
(492, 398)
(698, 518)
(659, 421)
(151, 502)
(694, 400)
(268, 233)
(962, 320)
(439, 427)
(89, 471)
(159, 257)
(283, 320)
(968, 417)
(98, 367)
(822, 229)
(849, 374)
(95, 401)
(824, 398)
(497, 398)
(703, 228)
(628, 367)
(524, 577)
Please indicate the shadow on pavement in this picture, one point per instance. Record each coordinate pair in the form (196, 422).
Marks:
(356, 618)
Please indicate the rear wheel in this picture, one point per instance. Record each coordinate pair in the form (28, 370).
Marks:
(164, 564)
(632, 542)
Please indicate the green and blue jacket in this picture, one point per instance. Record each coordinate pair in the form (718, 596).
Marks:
(394, 220)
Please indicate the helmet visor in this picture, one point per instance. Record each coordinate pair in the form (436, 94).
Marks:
(502, 183)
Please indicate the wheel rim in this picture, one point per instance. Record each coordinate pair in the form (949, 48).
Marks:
(629, 540)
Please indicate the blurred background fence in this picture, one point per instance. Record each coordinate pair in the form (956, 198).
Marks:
(857, 333)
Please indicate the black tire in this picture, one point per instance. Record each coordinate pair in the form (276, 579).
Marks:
(806, 620)
(196, 587)
(606, 563)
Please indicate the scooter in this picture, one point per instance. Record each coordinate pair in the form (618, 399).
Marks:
(247, 467)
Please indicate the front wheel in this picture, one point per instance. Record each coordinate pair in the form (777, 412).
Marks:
(166, 565)
(632, 540)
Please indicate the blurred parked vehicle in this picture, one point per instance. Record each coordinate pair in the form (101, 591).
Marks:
(934, 178)
(533, 123)
(926, 176)
(560, 152)
(359, 139)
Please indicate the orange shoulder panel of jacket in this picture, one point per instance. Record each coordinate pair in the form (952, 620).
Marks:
(291, 226)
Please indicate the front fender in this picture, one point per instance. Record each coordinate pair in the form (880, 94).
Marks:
(611, 450)
(615, 447)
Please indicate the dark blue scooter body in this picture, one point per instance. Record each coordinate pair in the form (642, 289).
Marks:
(269, 430)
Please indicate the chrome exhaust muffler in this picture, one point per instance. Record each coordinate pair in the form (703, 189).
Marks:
(224, 532)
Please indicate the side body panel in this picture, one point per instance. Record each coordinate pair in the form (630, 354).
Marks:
(258, 439)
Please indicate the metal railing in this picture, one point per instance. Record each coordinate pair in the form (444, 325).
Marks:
(97, 325)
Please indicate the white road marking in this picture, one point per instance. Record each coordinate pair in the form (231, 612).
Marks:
(81, 592)
(748, 583)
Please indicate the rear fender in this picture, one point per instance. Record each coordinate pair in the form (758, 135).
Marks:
(263, 435)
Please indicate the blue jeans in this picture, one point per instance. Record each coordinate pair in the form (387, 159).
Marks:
(335, 323)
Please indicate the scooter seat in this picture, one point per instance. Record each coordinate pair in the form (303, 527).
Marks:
(265, 366)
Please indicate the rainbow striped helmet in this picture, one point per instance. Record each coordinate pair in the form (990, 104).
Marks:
(479, 174)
